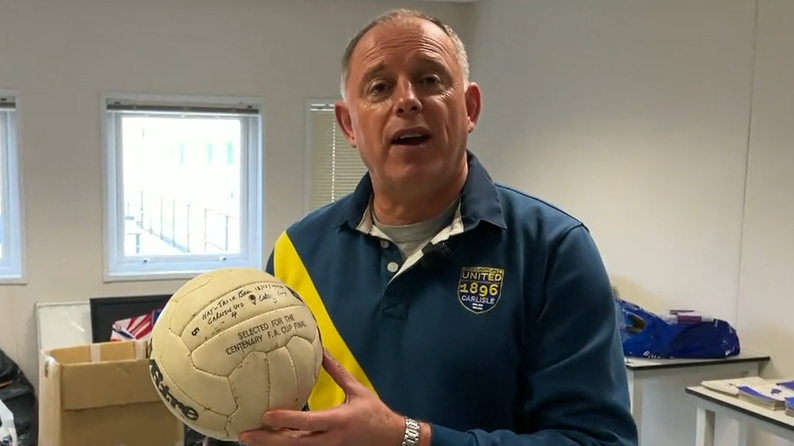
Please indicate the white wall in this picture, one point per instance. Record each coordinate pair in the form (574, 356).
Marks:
(767, 282)
(635, 117)
(61, 56)
(632, 115)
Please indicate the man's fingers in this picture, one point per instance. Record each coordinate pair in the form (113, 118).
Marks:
(300, 420)
(341, 376)
(272, 437)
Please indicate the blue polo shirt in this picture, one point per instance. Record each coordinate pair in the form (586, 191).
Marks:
(502, 332)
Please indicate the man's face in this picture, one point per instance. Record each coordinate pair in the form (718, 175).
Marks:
(408, 109)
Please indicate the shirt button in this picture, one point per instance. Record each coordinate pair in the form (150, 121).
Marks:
(384, 244)
(392, 267)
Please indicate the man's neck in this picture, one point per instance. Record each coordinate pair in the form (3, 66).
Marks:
(404, 210)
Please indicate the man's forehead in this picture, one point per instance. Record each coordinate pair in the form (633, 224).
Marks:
(407, 34)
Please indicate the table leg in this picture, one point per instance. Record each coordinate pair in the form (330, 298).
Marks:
(745, 435)
(635, 398)
(704, 434)
(746, 432)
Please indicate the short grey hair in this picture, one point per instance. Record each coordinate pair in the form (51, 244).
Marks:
(402, 14)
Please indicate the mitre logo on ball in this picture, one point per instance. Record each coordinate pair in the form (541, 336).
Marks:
(169, 398)
(231, 344)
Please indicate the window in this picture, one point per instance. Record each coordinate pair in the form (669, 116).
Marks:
(336, 167)
(11, 239)
(184, 188)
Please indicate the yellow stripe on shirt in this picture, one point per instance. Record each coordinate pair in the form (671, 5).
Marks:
(289, 268)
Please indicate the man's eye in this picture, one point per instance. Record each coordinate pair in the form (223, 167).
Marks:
(377, 88)
(431, 80)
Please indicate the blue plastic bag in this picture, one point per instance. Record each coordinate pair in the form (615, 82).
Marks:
(678, 335)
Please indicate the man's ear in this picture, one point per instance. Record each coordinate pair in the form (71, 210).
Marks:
(342, 112)
(473, 104)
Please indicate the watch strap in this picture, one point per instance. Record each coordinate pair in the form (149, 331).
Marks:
(411, 436)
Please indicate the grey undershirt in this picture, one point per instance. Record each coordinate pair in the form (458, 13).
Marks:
(413, 237)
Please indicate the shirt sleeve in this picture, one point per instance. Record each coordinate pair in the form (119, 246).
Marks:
(576, 384)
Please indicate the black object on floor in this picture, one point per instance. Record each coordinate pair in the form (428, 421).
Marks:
(17, 393)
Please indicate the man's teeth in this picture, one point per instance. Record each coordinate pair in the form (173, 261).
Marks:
(410, 135)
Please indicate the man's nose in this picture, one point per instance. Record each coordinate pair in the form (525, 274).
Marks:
(407, 102)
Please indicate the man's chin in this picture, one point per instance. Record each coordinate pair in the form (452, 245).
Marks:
(415, 176)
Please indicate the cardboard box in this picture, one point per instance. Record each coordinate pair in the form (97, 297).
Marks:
(102, 395)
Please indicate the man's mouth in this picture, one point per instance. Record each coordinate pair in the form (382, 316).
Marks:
(410, 139)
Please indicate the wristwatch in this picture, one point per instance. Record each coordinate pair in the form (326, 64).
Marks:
(411, 436)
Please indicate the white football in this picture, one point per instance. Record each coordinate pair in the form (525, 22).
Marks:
(231, 344)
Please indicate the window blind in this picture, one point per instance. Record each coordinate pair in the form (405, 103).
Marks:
(336, 167)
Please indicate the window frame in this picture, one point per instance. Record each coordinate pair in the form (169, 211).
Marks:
(13, 262)
(119, 267)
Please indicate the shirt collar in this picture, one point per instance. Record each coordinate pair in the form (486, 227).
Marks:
(479, 201)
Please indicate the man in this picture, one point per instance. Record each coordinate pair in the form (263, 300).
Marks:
(454, 312)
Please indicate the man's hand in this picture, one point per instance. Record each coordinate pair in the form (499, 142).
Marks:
(362, 420)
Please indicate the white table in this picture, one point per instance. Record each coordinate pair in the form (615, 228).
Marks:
(641, 371)
(710, 403)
